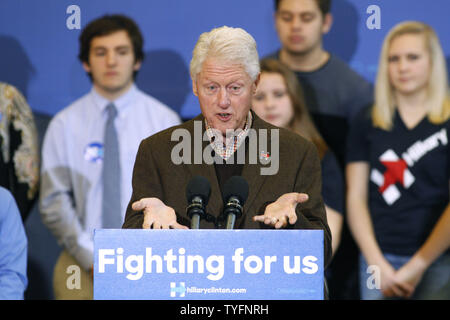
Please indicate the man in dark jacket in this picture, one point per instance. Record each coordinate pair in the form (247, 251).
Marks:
(227, 139)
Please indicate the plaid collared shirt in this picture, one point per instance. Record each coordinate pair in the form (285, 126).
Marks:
(233, 139)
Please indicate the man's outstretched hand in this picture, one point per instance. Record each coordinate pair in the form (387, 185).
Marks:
(281, 212)
(157, 215)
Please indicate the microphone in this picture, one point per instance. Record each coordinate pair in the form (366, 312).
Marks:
(235, 193)
(198, 191)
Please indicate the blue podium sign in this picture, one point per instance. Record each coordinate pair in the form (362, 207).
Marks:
(208, 264)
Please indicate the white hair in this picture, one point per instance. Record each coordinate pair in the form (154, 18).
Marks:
(227, 44)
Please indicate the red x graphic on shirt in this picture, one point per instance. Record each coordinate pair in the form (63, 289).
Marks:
(394, 173)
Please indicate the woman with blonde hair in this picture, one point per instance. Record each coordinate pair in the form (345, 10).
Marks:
(279, 101)
(398, 168)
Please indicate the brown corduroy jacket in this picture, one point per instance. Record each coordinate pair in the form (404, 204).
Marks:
(156, 174)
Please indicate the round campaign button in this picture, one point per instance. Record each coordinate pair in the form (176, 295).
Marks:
(94, 152)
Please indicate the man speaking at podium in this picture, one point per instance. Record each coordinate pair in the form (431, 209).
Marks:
(224, 141)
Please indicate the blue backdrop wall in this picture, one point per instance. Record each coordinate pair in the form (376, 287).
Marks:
(38, 51)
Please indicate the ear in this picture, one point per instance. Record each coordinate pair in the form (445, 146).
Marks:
(137, 65)
(256, 82)
(327, 23)
(275, 21)
(86, 67)
(194, 87)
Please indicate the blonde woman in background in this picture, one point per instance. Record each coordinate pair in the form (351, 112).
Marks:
(398, 170)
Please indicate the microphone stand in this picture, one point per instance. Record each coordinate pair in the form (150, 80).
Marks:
(195, 211)
(233, 211)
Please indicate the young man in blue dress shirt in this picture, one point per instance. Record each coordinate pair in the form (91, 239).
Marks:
(74, 185)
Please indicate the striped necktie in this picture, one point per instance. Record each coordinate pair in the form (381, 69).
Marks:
(111, 210)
